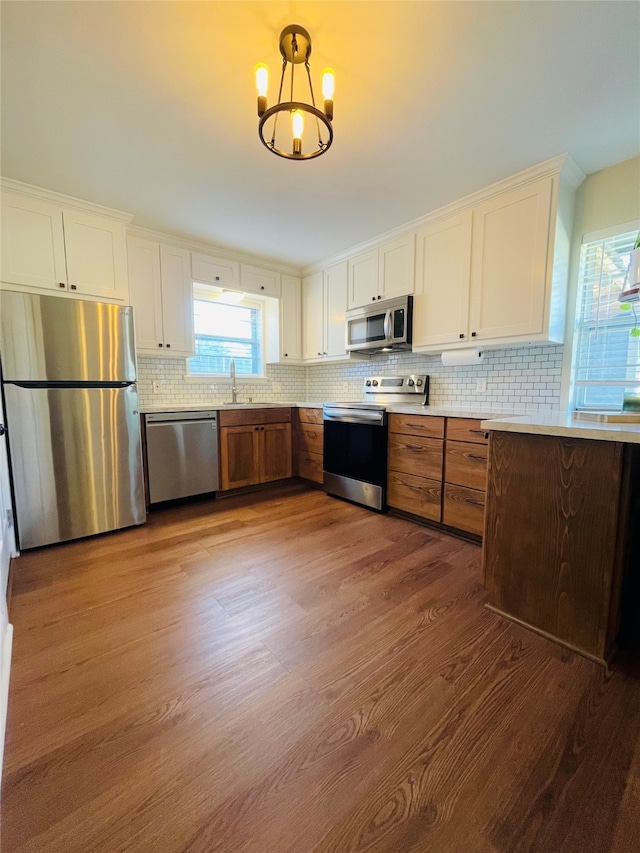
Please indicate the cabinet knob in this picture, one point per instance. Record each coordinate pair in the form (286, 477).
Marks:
(380, 297)
(461, 335)
(73, 287)
(160, 345)
(61, 284)
(325, 353)
(473, 334)
(286, 355)
(319, 353)
(262, 287)
(168, 345)
(373, 299)
(217, 278)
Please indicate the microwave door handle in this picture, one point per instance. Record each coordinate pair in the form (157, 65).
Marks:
(387, 326)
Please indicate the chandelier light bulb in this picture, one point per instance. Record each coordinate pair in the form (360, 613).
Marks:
(262, 85)
(328, 88)
(297, 125)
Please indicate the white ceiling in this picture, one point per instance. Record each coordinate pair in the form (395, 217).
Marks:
(149, 107)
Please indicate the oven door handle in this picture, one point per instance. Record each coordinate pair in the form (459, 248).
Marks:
(387, 326)
(354, 416)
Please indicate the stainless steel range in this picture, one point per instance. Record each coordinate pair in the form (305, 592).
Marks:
(355, 438)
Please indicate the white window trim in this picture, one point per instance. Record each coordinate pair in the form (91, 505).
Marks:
(567, 388)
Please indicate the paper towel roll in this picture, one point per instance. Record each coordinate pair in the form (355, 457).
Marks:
(460, 357)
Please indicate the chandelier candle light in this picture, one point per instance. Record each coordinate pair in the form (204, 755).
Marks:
(295, 47)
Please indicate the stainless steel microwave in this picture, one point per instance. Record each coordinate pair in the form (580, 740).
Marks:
(381, 326)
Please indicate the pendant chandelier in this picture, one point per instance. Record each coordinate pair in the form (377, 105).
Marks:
(281, 127)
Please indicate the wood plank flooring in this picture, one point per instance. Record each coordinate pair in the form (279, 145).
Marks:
(284, 672)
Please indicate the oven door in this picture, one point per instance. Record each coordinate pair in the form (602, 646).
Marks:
(355, 455)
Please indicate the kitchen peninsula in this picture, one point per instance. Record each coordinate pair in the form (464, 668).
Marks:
(561, 545)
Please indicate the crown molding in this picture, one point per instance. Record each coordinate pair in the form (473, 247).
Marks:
(68, 201)
(562, 164)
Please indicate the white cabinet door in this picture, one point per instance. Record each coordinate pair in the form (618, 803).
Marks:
(257, 280)
(335, 296)
(441, 300)
(211, 270)
(396, 267)
(363, 279)
(509, 263)
(32, 243)
(162, 299)
(145, 290)
(290, 319)
(177, 301)
(313, 316)
(96, 255)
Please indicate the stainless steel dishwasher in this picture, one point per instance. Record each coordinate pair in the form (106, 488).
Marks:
(182, 454)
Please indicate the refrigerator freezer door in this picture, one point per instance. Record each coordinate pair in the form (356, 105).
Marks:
(76, 461)
(52, 339)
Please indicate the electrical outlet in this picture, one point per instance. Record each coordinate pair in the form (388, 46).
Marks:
(157, 387)
(276, 387)
(481, 386)
(345, 387)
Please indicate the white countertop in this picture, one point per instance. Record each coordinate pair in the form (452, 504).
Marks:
(564, 424)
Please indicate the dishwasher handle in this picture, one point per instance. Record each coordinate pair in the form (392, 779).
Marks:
(153, 418)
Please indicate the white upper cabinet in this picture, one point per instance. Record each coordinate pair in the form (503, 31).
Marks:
(495, 273)
(162, 298)
(313, 322)
(363, 279)
(443, 272)
(335, 305)
(290, 320)
(54, 248)
(382, 272)
(211, 270)
(96, 255)
(509, 262)
(258, 280)
(32, 243)
(396, 267)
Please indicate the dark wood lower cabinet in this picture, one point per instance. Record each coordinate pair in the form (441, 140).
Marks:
(463, 508)
(555, 543)
(255, 447)
(417, 495)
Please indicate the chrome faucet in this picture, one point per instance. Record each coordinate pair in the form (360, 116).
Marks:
(234, 387)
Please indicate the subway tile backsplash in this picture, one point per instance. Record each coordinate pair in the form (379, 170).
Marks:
(525, 379)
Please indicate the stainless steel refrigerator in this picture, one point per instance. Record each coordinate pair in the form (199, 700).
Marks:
(71, 401)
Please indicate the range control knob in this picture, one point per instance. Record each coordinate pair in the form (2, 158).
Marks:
(410, 383)
(368, 383)
(418, 382)
(375, 382)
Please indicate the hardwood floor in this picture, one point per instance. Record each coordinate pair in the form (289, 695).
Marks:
(288, 673)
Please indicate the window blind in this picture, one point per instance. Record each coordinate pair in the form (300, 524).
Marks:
(607, 357)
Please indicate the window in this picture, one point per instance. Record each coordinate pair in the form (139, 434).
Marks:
(224, 330)
(607, 354)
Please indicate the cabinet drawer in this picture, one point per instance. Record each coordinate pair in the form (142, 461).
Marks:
(310, 438)
(310, 416)
(416, 455)
(242, 417)
(429, 426)
(310, 466)
(463, 508)
(465, 464)
(466, 429)
(418, 495)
